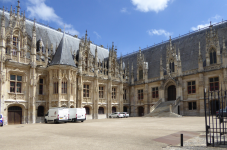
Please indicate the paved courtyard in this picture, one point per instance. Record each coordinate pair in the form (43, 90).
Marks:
(123, 133)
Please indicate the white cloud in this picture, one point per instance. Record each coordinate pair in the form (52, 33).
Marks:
(124, 10)
(97, 35)
(159, 32)
(150, 5)
(38, 9)
(214, 20)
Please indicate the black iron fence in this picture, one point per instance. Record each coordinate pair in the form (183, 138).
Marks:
(215, 106)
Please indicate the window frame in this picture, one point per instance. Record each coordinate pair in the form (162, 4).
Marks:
(155, 93)
(101, 92)
(41, 85)
(140, 94)
(114, 93)
(55, 88)
(190, 86)
(86, 90)
(64, 87)
(192, 105)
(140, 74)
(16, 87)
(125, 94)
(213, 56)
(213, 86)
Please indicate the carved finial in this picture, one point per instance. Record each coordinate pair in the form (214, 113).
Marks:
(34, 28)
(11, 10)
(223, 42)
(18, 8)
(199, 49)
(178, 54)
(24, 14)
(3, 11)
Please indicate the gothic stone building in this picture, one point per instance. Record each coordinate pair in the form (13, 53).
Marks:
(43, 68)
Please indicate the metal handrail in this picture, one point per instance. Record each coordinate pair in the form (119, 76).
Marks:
(156, 105)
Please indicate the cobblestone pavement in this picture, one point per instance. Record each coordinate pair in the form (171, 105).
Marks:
(107, 134)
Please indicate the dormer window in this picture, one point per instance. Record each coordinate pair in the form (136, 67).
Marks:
(213, 58)
(140, 74)
(171, 66)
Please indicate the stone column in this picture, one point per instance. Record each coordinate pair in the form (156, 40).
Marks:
(146, 99)
(121, 92)
(50, 88)
(80, 92)
(95, 98)
(109, 97)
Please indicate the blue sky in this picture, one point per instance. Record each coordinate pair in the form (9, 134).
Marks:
(130, 24)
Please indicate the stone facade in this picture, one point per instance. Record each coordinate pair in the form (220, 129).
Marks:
(43, 68)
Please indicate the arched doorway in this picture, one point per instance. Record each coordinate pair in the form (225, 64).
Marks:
(140, 111)
(101, 110)
(214, 106)
(125, 109)
(171, 93)
(114, 109)
(40, 111)
(72, 106)
(87, 110)
(14, 115)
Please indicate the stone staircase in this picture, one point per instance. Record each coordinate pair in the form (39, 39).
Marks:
(163, 110)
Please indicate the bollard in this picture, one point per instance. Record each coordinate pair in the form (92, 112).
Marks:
(181, 137)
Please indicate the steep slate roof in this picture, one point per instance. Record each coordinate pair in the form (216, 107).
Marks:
(62, 55)
(189, 50)
(53, 36)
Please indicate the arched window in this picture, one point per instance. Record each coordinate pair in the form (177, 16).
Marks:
(213, 58)
(87, 110)
(101, 110)
(171, 66)
(55, 90)
(114, 109)
(64, 87)
(40, 112)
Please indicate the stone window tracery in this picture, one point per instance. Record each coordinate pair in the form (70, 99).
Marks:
(140, 94)
(64, 87)
(15, 83)
(113, 93)
(171, 66)
(155, 92)
(86, 90)
(124, 95)
(55, 88)
(191, 87)
(41, 86)
(214, 84)
(213, 57)
(101, 92)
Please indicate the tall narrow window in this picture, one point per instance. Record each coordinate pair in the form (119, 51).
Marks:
(213, 58)
(113, 93)
(101, 92)
(86, 90)
(40, 86)
(155, 92)
(71, 88)
(192, 106)
(140, 94)
(171, 66)
(64, 87)
(191, 87)
(55, 90)
(86, 63)
(124, 95)
(214, 84)
(140, 74)
(15, 84)
(15, 41)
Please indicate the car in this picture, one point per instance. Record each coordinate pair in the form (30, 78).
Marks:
(1, 120)
(116, 115)
(126, 115)
(222, 114)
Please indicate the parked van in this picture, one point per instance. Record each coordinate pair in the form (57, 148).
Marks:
(57, 115)
(1, 120)
(77, 114)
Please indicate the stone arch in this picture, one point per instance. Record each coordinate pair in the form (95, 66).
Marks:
(167, 84)
(140, 110)
(24, 118)
(88, 109)
(40, 111)
(102, 111)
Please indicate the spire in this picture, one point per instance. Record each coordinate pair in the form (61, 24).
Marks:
(224, 42)
(161, 60)
(86, 37)
(178, 54)
(18, 8)
(140, 51)
(62, 55)
(3, 11)
(11, 11)
(170, 42)
(34, 28)
(199, 49)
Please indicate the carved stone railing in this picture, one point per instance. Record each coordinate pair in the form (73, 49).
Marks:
(16, 96)
(101, 100)
(156, 105)
(87, 100)
(175, 104)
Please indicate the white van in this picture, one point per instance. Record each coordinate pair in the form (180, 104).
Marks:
(57, 115)
(77, 114)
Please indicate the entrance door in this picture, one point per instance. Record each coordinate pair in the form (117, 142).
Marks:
(14, 115)
(113, 109)
(214, 106)
(125, 109)
(171, 93)
(140, 111)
